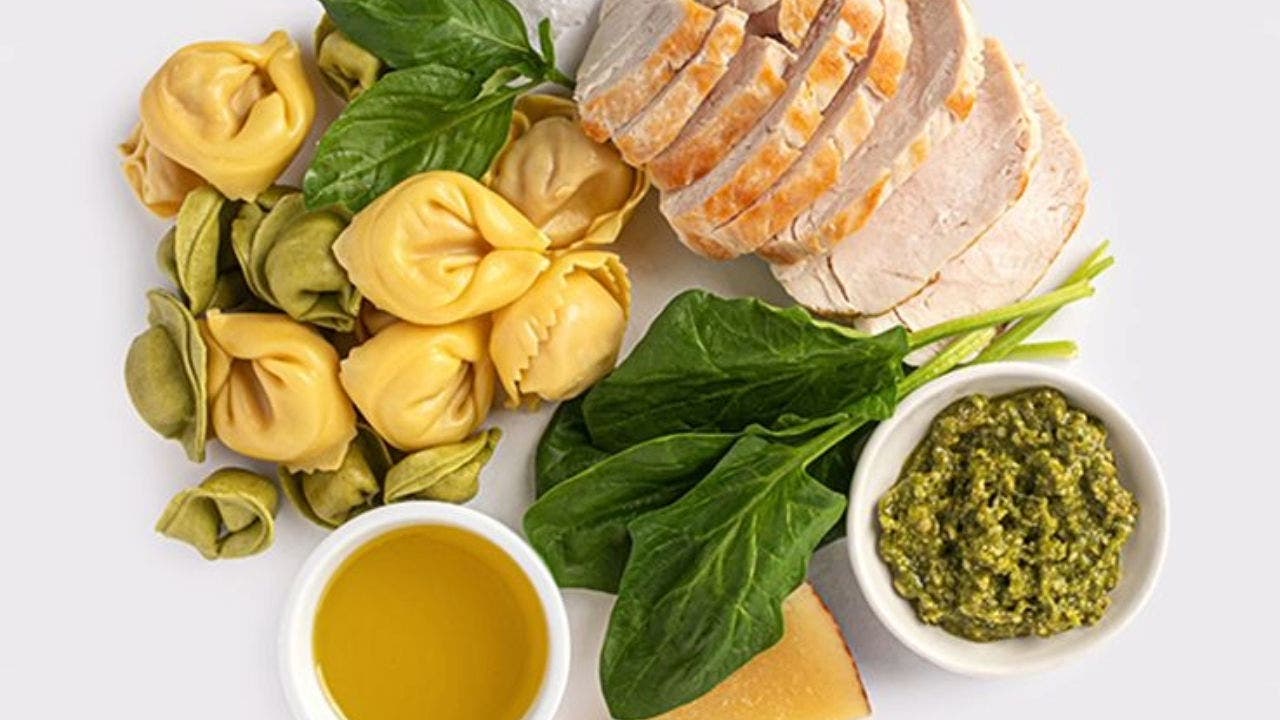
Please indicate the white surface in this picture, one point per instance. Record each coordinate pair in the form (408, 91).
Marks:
(305, 694)
(1175, 104)
(889, 449)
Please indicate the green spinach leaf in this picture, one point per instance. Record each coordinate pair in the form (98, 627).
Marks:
(565, 448)
(711, 364)
(835, 470)
(579, 523)
(579, 527)
(474, 36)
(409, 122)
(702, 593)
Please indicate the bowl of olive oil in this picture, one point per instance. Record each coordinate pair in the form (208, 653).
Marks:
(424, 610)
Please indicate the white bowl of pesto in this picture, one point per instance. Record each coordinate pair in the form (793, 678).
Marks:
(890, 449)
(424, 609)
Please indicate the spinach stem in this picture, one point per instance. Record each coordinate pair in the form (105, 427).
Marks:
(1042, 305)
(946, 361)
(1006, 344)
(1057, 350)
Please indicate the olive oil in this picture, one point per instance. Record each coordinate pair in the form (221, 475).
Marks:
(431, 622)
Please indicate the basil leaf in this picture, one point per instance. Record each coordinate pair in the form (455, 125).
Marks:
(474, 36)
(409, 122)
(704, 587)
(710, 364)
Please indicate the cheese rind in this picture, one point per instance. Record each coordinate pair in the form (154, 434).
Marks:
(809, 675)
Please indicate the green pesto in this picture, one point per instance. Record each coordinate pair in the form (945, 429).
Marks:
(1009, 519)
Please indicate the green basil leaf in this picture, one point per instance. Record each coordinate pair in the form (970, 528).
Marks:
(707, 577)
(409, 122)
(475, 36)
(711, 364)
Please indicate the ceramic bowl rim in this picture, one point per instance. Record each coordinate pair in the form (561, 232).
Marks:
(304, 692)
(869, 483)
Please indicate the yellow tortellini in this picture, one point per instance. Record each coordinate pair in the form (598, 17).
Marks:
(159, 183)
(440, 248)
(564, 335)
(274, 392)
(419, 386)
(578, 191)
(372, 320)
(234, 114)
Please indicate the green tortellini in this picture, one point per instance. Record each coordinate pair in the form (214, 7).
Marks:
(347, 68)
(448, 473)
(371, 477)
(229, 515)
(166, 374)
(331, 498)
(197, 255)
(286, 253)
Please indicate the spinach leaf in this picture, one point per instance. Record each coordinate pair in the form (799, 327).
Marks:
(473, 36)
(565, 448)
(579, 527)
(409, 122)
(711, 364)
(579, 523)
(702, 593)
(835, 470)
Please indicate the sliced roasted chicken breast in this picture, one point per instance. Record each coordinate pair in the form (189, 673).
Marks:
(650, 132)
(847, 123)
(755, 80)
(636, 51)
(1011, 258)
(939, 84)
(980, 171)
(838, 41)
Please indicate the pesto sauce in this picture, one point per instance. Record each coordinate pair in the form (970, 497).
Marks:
(1008, 519)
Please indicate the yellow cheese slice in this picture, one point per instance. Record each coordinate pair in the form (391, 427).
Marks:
(810, 675)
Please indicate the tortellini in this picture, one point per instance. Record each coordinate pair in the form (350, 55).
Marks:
(440, 248)
(578, 191)
(166, 377)
(274, 392)
(449, 473)
(197, 254)
(565, 334)
(159, 183)
(419, 386)
(286, 253)
(229, 515)
(233, 114)
(373, 320)
(330, 498)
(347, 68)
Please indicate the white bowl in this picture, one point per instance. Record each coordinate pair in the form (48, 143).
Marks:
(881, 465)
(307, 697)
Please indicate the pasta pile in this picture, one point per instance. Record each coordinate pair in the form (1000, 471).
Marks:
(360, 354)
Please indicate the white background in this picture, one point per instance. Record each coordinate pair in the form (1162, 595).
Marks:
(1176, 104)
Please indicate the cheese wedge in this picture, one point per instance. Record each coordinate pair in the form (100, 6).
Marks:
(809, 675)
